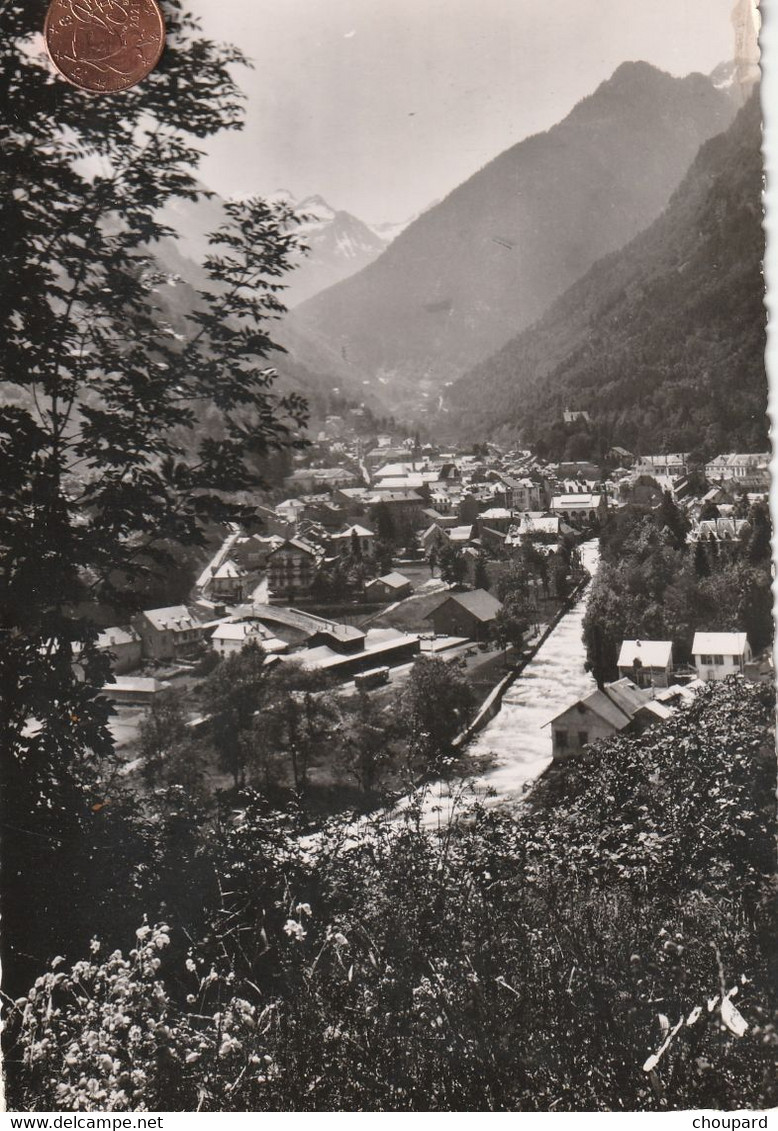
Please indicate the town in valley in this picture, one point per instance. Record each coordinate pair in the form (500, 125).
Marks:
(387, 692)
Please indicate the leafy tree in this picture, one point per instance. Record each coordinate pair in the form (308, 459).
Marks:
(481, 573)
(364, 740)
(561, 574)
(672, 518)
(742, 506)
(356, 547)
(513, 621)
(453, 568)
(384, 556)
(708, 510)
(162, 732)
(232, 695)
(383, 521)
(298, 719)
(104, 459)
(435, 705)
(701, 567)
(514, 582)
(759, 548)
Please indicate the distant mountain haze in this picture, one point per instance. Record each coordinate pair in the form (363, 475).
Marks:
(339, 244)
(662, 342)
(489, 259)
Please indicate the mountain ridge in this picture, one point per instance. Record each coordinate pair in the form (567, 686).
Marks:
(649, 339)
(492, 255)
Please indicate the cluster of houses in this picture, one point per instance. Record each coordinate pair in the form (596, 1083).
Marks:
(490, 502)
(179, 634)
(482, 502)
(649, 689)
(429, 502)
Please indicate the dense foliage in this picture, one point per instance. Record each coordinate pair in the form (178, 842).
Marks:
(612, 947)
(107, 471)
(656, 338)
(286, 732)
(651, 585)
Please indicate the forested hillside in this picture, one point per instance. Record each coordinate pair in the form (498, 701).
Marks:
(663, 342)
(488, 259)
(611, 947)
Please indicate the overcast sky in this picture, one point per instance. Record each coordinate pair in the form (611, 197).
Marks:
(383, 106)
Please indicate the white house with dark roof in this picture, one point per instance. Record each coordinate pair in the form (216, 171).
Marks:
(344, 540)
(231, 637)
(672, 465)
(292, 568)
(580, 507)
(229, 581)
(740, 466)
(719, 654)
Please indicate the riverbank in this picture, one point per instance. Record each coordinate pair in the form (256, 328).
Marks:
(513, 744)
(493, 702)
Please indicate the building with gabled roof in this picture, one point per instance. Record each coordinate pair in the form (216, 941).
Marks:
(604, 712)
(292, 569)
(721, 529)
(228, 581)
(389, 587)
(471, 614)
(123, 644)
(231, 637)
(344, 540)
(719, 654)
(169, 632)
(648, 663)
(580, 507)
(748, 468)
(672, 464)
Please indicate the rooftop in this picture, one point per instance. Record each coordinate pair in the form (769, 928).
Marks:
(171, 617)
(481, 604)
(394, 580)
(719, 643)
(650, 653)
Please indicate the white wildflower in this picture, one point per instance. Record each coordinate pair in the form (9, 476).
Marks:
(295, 930)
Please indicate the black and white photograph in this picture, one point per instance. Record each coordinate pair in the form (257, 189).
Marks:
(386, 637)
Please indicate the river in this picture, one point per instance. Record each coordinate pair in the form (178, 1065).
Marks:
(516, 744)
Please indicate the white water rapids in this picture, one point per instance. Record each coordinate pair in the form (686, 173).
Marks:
(517, 741)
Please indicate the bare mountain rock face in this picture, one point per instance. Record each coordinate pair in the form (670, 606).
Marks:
(491, 257)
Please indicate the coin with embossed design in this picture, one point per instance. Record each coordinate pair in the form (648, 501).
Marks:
(104, 45)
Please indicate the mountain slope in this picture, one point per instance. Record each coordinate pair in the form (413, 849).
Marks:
(663, 342)
(339, 244)
(489, 258)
